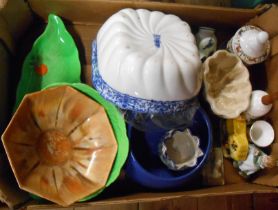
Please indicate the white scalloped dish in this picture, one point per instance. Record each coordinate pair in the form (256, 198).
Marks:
(227, 84)
(149, 55)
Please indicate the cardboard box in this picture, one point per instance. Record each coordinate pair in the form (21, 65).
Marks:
(83, 18)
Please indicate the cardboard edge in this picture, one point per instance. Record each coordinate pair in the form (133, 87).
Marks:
(18, 17)
(157, 198)
(236, 189)
(10, 193)
(98, 10)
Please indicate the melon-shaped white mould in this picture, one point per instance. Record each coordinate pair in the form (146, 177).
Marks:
(149, 55)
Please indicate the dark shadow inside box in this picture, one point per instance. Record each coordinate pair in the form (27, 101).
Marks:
(258, 76)
(23, 47)
(127, 187)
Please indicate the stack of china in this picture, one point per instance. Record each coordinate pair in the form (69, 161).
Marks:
(148, 65)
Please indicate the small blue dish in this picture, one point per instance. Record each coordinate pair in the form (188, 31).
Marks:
(144, 165)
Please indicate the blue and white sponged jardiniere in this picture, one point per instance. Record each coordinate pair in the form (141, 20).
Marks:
(147, 62)
(126, 102)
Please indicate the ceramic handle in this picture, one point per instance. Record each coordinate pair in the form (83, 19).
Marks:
(269, 99)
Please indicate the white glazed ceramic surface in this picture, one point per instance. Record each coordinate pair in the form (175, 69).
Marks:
(204, 32)
(206, 41)
(261, 133)
(180, 150)
(251, 44)
(227, 85)
(257, 108)
(149, 55)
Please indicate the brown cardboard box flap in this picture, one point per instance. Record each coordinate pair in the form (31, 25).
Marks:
(270, 177)
(10, 193)
(274, 45)
(272, 86)
(231, 174)
(3, 3)
(233, 189)
(15, 19)
(96, 11)
(5, 35)
(268, 22)
(83, 19)
(18, 16)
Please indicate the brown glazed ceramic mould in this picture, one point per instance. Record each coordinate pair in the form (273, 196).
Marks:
(60, 145)
(227, 84)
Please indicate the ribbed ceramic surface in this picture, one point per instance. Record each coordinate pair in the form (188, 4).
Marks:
(60, 145)
(149, 55)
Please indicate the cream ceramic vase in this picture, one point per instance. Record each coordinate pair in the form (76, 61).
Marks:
(251, 44)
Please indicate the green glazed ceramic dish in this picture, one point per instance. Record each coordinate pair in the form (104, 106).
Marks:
(53, 58)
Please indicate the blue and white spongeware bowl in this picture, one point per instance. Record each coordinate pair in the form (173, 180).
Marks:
(144, 165)
(147, 64)
(143, 114)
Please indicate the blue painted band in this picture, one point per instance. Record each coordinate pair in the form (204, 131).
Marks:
(127, 102)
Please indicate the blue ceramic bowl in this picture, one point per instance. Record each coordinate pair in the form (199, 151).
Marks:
(144, 165)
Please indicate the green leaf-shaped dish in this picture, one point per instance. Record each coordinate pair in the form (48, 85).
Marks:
(53, 58)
